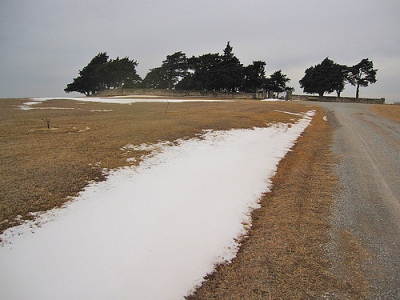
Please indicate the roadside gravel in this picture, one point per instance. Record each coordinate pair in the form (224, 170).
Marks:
(367, 205)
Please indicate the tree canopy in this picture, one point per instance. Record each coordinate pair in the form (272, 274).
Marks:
(329, 76)
(102, 73)
(362, 74)
(212, 72)
(207, 72)
(277, 82)
(173, 69)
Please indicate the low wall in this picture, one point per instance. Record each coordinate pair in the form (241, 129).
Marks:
(338, 99)
(178, 93)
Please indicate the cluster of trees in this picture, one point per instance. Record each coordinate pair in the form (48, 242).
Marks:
(329, 76)
(208, 72)
(214, 72)
(102, 73)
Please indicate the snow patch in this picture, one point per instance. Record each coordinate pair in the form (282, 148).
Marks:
(272, 99)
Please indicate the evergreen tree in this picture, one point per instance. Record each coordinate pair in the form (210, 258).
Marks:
(231, 71)
(362, 74)
(89, 80)
(204, 75)
(325, 77)
(340, 76)
(121, 73)
(277, 82)
(156, 79)
(175, 68)
(254, 76)
(102, 74)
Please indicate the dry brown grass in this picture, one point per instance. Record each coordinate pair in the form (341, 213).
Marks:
(40, 167)
(285, 255)
(389, 111)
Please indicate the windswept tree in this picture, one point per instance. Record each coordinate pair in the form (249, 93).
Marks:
(362, 74)
(101, 74)
(325, 77)
(175, 67)
(89, 80)
(172, 70)
(120, 73)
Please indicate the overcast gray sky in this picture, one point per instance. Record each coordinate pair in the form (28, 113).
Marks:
(43, 44)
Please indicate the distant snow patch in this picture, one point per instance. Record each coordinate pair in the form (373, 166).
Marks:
(272, 99)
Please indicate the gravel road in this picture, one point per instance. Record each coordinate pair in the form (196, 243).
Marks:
(368, 202)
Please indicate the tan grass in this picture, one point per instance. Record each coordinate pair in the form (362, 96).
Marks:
(284, 256)
(41, 167)
(388, 111)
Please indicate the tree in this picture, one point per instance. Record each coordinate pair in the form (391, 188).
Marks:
(172, 70)
(175, 67)
(325, 77)
(362, 74)
(231, 71)
(102, 73)
(254, 76)
(277, 82)
(204, 74)
(340, 76)
(89, 80)
(156, 79)
(120, 72)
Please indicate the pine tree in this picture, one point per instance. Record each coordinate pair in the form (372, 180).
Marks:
(362, 74)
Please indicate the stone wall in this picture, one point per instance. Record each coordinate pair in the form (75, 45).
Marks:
(338, 99)
(178, 93)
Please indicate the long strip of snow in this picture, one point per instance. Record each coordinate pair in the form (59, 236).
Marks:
(115, 100)
(150, 232)
(123, 100)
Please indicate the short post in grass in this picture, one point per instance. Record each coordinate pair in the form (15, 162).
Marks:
(166, 107)
(47, 120)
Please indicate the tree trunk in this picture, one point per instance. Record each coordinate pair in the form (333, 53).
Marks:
(358, 91)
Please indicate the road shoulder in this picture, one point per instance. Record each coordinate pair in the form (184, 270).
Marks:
(286, 253)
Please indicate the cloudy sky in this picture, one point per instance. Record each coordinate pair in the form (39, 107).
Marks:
(43, 44)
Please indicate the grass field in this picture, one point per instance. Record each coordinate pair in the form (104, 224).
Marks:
(389, 111)
(285, 255)
(41, 167)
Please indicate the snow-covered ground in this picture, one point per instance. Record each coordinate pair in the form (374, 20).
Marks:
(149, 232)
(122, 100)
(126, 100)
(117, 100)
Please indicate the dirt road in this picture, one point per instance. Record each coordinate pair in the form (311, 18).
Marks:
(368, 202)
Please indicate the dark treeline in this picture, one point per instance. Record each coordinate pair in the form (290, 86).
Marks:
(328, 77)
(208, 72)
(217, 72)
